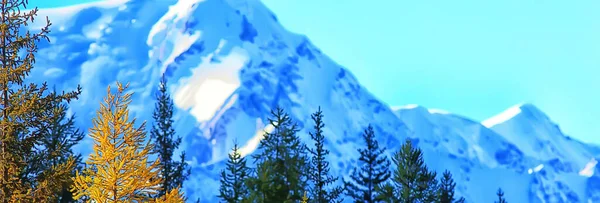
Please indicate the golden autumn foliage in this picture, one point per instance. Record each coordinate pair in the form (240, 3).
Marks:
(173, 196)
(118, 169)
(25, 111)
(304, 198)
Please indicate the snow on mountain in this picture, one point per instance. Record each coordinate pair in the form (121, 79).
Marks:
(531, 130)
(479, 159)
(229, 62)
(570, 161)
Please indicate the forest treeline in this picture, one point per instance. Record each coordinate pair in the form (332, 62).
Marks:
(38, 163)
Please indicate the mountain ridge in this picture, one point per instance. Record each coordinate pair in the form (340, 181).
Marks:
(239, 48)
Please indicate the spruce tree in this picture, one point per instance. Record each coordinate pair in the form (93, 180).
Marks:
(281, 163)
(387, 193)
(500, 195)
(26, 112)
(233, 188)
(446, 190)
(319, 172)
(60, 136)
(172, 172)
(119, 169)
(412, 179)
(371, 172)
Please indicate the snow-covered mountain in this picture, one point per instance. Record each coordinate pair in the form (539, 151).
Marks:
(229, 62)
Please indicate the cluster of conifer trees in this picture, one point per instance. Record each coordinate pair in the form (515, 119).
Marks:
(287, 170)
(38, 164)
(37, 135)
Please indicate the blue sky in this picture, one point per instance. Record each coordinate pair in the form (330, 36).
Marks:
(470, 57)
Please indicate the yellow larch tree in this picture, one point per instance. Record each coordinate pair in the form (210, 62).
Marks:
(118, 169)
(25, 112)
(173, 196)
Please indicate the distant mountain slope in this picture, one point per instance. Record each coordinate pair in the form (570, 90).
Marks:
(229, 62)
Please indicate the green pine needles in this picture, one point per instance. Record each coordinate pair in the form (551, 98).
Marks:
(173, 172)
(286, 170)
(324, 190)
(233, 187)
(371, 172)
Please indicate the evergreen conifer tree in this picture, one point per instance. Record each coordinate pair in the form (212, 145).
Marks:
(500, 195)
(25, 112)
(281, 163)
(319, 172)
(172, 172)
(118, 169)
(446, 190)
(371, 172)
(387, 193)
(57, 144)
(233, 188)
(412, 179)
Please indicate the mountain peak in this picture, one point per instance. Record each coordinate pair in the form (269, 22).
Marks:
(530, 108)
(416, 107)
(527, 110)
(239, 48)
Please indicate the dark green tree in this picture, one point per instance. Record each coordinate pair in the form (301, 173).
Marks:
(281, 163)
(56, 146)
(58, 136)
(412, 179)
(387, 193)
(233, 188)
(446, 190)
(173, 172)
(500, 194)
(371, 173)
(319, 172)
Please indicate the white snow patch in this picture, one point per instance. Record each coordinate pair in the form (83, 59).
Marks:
(222, 43)
(414, 106)
(408, 106)
(502, 117)
(210, 85)
(395, 108)
(538, 168)
(122, 7)
(252, 144)
(156, 28)
(218, 115)
(476, 151)
(438, 111)
(176, 12)
(588, 170)
(210, 95)
(183, 43)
